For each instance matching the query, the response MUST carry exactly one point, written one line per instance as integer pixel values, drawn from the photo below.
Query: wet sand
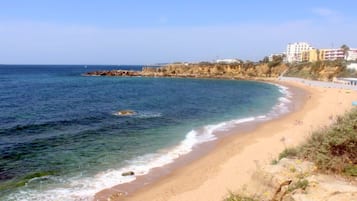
(227, 164)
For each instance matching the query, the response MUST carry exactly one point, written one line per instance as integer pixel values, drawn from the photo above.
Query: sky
(158, 31)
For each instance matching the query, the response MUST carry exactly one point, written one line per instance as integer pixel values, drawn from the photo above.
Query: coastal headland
(322, 70)
(234, 159)
(201, 70)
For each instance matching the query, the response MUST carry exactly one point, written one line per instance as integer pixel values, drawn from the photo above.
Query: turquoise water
(61, 140)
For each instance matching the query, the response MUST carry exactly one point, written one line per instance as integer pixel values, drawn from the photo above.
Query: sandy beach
(230, 164)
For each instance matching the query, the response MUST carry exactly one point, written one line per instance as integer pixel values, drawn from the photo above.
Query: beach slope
(232, 163)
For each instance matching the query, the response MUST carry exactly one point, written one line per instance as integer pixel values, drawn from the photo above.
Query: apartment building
(294, 51)
(310, 55)
(331, 54)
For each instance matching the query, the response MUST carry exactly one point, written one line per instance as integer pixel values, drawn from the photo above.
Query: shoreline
(158, 173)
(234, 158)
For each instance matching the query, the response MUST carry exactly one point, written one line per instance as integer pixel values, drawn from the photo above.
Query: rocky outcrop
(296, 180)
(125, 113)
(321, 70)
(202, 70)
(129, 173)
(114, 73)
(216, 70)
(326, 188)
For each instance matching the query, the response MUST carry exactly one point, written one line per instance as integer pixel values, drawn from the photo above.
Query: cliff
(202, 70)
(216, 70)
(320, 70)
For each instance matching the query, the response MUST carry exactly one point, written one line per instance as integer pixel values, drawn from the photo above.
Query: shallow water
(61, 140)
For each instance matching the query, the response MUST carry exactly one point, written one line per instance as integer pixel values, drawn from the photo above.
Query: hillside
(246, 70)
(217, 70)
(320, 70)
(324, 168)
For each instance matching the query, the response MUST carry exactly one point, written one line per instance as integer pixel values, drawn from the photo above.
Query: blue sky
(147, 32)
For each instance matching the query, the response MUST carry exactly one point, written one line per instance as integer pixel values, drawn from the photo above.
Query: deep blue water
(58, 131)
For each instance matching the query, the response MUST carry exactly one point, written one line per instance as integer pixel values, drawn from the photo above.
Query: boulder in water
(125, 113)
(129, 173)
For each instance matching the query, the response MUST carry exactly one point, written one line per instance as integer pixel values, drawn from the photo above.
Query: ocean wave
(282, 106)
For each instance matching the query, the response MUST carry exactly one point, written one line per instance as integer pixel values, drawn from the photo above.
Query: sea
(61, 137)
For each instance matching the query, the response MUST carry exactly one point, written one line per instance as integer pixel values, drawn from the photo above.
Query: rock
(122, 73)
(326, 188)
(125, 113)
(296, 180)
(129, 173)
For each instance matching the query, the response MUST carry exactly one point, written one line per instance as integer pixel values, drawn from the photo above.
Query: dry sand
(231, 163)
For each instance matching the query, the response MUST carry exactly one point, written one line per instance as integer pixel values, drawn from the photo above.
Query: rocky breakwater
(122, 73)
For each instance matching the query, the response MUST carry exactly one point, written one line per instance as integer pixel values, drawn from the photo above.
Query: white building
(352, 66)
(351, 55)
(294, 51)
(228, 61)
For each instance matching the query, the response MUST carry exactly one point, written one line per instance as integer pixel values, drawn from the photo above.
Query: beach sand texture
(231, 163)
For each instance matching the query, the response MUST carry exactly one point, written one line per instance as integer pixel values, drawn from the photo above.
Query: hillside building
(310, 55)
(352, 66)
(331, 54)
(294, 51)
(351, 55)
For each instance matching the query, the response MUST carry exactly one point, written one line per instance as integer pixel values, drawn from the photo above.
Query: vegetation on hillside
(237, 70)
(333, 149)
(235, 197)
(320, 70)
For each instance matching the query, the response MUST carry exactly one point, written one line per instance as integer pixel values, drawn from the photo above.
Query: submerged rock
(125, 113)
(129, 173)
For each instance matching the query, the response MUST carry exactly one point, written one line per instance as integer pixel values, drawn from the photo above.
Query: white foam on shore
(282, 107)
(75, 189)
(84, 188)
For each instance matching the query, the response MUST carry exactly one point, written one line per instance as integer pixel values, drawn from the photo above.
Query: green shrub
(315, 70)
(351, 170)
(288, 152)
(274, 162)
(301, 184)
(333, 149)
(236, 197)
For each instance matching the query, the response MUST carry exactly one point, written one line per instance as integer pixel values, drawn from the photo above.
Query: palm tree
(345, 48)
